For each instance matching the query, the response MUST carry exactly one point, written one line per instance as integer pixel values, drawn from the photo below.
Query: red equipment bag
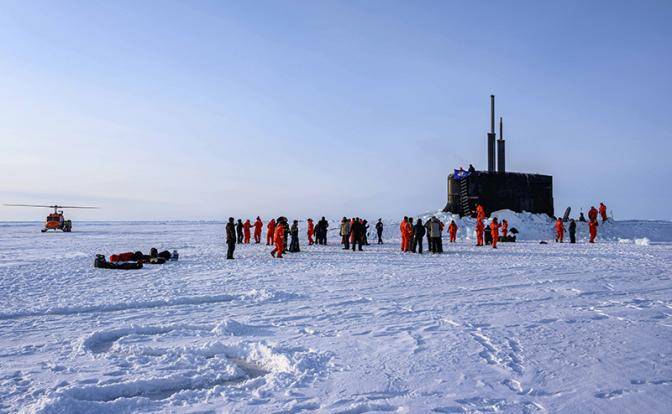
(122, 257)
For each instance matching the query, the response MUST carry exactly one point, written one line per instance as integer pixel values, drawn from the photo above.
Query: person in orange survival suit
(494, 232)
(402, 230)
(452, 231)
(311, 232)
(409, 235)
(603, 212)
(559, 230)
(246, 231)
(505, 228)
(592, 227)
(279, 239)
(270, 232)
(480, 212)
(258, 226)
(592, 214)
(480, 229)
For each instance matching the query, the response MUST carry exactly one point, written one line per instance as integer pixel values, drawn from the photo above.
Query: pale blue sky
(201, 110)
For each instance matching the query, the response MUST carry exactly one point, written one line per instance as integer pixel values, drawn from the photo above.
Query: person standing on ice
(279, 239)
(285, 223)
(592, 214)
(480, 229)
(603, 212)
(270, 232)
(572, 231)
(452, 231)
(365, 231)
(239, 231)
(318, 232)
(246, 231)
(505, 228)
(258, 227)
(310, 232)
(402, 231)
(356, 237)
(559, 230)
(409, 236)
(428, 234)
(379, 231)
(345, 233)
(494, 232)
(592, 228)
(435, 229)
(230, 238)
(582, 218)
(418, 234)
(480, 212)
(294, 233)
(323, 225)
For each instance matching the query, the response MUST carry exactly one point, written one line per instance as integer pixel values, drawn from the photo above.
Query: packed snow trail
(525, 328)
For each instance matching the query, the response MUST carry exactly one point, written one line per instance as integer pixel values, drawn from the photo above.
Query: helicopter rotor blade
(54, 206)
(76, 207)
(26, 205)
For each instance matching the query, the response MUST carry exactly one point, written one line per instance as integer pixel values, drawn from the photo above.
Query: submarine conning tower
(496, 189)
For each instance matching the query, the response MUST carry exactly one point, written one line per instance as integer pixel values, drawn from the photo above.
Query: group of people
(354, 232)
(278, 231)
(242, 232)
(412, 235)
(592, 225)
(319, 231)
(495, 227)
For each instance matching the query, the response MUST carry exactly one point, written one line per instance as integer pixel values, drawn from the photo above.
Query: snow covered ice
(522, 329)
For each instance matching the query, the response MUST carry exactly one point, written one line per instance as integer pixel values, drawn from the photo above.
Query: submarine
(496, 188)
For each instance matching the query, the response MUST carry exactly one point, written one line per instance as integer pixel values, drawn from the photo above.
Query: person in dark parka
(572, 231)
(379, 230)
(294, 233)
(230, 238)
(323, 225)
(356, 230)
(239, 231)
(418, 235)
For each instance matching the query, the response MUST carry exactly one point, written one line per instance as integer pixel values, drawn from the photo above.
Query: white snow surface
(525, 328)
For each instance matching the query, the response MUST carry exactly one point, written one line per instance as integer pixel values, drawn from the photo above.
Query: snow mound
(102, 340)
(230, 327)
(541, 227)
(151, 372)
(642, 242)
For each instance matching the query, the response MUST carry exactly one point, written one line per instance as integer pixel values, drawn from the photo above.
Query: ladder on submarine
(464, 196)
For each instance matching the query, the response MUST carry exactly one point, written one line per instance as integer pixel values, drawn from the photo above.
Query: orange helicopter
(55, 221)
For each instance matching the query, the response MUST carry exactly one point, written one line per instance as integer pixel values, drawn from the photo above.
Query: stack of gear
(510, 237)
(101, 263)
(130, 260)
